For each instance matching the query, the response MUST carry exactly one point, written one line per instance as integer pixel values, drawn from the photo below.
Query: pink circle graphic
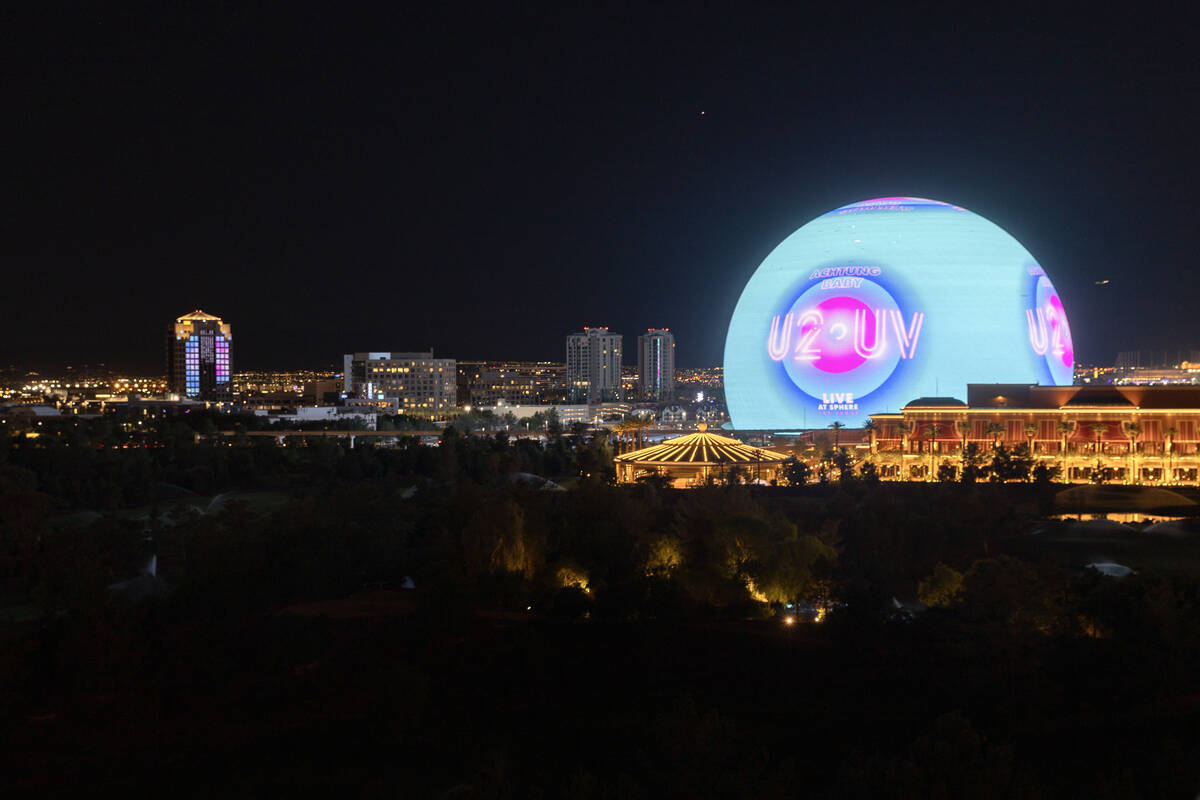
(836, 338)
(844, 340)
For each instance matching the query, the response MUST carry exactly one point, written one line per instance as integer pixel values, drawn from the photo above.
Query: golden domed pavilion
(690, 460)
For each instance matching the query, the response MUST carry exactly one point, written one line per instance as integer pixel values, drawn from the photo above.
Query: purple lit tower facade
(656, 364)
(200, 357)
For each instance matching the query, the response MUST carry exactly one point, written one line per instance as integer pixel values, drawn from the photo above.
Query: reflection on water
(1120, 516)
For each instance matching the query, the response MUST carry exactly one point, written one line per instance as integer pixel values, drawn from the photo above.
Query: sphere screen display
(877, 303)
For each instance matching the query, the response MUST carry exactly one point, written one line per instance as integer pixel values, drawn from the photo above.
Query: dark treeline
(605, 641)
(108, 464)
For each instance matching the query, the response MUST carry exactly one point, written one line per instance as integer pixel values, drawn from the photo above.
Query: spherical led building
(880, 302)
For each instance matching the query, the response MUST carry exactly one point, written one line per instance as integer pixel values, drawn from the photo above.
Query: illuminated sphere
(877, 303)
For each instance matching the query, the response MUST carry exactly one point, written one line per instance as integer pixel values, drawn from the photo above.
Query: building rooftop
(1098, 397)
(936, 402)
(701, 448)
(198, 316)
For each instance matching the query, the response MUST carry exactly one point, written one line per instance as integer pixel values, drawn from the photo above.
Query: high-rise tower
(594, 365)
(200, 357)
(656, 364)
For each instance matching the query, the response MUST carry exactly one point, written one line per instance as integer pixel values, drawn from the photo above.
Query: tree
(656, 479)
(972, 463)
(964, 430)
(795, 472)
(905, 428)
(1021, 462)
(998, 468)
(578, 432)
(1065, 429)
(995, 430)
(1006, 590)
(640, 425)
(869, 472)
(836, 427)
(622, 429)
(872, 429)
(930, 436)
(554, 427)
(942, 588)
(1169, 445)
(1133, 430)
(495, 540)
(735, 476)
(844, 464)
(1045, 473)
(1010, 465)
(1030, 432)
(785, 566)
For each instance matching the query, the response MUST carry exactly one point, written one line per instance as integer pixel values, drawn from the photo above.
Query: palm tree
(995, 430)
(1030, 432)
(872, 429)
(836, 426)
(1133, 430)
(930, 436)
(1170, 448)
(1065, 429)
(623, 428)
(1097, 429)
(905, 428)
(640, 424)
(964, 427)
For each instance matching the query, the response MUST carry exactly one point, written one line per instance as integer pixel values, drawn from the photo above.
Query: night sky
(484, 180)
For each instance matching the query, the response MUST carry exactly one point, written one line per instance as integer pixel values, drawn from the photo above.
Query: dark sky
(484, 180)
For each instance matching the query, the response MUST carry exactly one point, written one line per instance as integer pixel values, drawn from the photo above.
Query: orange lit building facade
(1137, 434)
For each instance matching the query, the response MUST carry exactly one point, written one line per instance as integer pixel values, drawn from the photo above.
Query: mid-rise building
(200, 357)
(422, 385)
(656, 364)
(594, 365)
(484, 383)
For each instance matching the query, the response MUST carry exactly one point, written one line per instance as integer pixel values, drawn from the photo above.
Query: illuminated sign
(877, 303)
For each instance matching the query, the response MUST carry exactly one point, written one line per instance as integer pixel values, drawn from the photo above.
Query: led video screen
(880, 302)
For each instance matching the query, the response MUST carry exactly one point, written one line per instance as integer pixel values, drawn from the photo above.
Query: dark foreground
(392, 703)
(602, 642)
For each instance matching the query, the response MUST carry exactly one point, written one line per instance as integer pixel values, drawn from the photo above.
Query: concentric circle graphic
(840, 340)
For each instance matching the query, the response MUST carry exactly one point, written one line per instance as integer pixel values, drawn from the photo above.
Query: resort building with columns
(1137, 434)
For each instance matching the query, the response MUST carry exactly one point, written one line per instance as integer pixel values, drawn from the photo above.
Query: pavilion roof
(701, 448)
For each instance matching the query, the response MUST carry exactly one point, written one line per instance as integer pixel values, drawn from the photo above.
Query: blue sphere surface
(877, 303)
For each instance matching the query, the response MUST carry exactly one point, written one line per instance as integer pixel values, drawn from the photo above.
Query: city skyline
(913, 511)
(220, 170)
